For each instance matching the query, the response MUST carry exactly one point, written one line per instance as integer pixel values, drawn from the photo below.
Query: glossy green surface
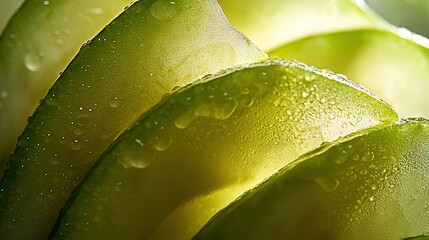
(412, 14)
(394, 67)
(151, 48)
(272, 23)
(205, 145)
(38, 43)
(373, 186)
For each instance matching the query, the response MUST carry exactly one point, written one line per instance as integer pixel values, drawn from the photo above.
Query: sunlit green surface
(412, 14)
(205, 145)
(151, 48)
(370, 187)
(393, 67)
(37, 44)
(7, 9)
(272, 23)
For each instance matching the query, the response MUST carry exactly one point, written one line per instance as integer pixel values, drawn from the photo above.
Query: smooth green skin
(272, 23)
(373, 186)
(7, 9)
(38, 43)
(412, 14)
(151, 48)
(393, 67)
(205, 145)
(421, 237)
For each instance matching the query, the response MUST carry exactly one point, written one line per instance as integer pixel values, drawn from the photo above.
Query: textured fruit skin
(38, 43)
(126, 69)
(370, 186)
(206, 144)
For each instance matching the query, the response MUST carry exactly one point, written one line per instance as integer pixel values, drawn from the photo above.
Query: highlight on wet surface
(206, 144)
(371, 185)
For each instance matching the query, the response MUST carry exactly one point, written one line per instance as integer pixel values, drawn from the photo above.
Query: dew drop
(105, 134)
(327, 184)
(162, 143)
(138, 155)
(115, 102)
(305, 94)
(59, 41)
(118, 187)
(3, 94)
(164, 9)
(246, 101)
(32, 62)
(95, 11)
(46, 3)
(369, 156)
(75, 145)
(342, 158)
(184, 121)
(78, 131)
(308, 76)
(225, 110)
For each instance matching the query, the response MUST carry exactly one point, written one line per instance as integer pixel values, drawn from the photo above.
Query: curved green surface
(373, 186)
(38, 43)
(272, 23)
(393, 67)
(203, 146)
(151, 48)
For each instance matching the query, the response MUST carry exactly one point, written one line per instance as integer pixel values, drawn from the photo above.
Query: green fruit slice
(373, 186)
(39, 41)
(205, 145)
(412, 14)
(272, 23)
(420, 237)
(7, 9)
(151, 48)
(395, 76)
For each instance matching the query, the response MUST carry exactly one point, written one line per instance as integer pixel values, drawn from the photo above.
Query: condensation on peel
(164, 10)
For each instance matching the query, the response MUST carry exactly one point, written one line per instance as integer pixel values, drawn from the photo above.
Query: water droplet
(305, 94)
(59, 41)
(46, 3)
(369, 156)
(78, 131)
(327, 184)
(75, 145)
(372, 198)
(184, 121)
(246, 101)
(118, 187)
(3, 94)
(342, 158)
(308, 76)
(95, 11)
(164, 9)
(225, 110)
(163, 142)
(105, 134)
(115, 102)
(136, 155)
(32, 62)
